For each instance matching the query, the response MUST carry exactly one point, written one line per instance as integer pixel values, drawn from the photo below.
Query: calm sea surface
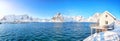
(67, 31)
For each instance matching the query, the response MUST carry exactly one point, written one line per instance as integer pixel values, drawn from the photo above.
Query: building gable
(106, 18)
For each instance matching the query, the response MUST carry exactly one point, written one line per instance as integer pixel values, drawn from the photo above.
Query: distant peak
(58, 13)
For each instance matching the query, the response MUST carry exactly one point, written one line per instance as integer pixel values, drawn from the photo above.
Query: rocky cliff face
(58, 18)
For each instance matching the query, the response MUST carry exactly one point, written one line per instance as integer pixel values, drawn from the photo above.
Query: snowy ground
(116, 30)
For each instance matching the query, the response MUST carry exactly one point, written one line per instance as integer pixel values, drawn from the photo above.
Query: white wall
(103, 18)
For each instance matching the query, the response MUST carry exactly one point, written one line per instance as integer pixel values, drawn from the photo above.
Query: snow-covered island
(26, 18)
(56, 18)
(20, 19)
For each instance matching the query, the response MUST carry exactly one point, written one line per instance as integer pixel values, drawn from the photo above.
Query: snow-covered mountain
(57, 18)
(94, 18)
(60, 18)
(18, 18)
(74, 18)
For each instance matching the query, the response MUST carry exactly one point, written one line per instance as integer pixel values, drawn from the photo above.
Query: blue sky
(48, 8)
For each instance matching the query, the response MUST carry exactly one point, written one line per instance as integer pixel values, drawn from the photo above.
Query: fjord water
(45, 31)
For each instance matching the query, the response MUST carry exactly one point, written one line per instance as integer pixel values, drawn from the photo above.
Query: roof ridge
(106, 12)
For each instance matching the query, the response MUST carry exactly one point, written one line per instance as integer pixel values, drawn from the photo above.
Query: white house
(106, 18)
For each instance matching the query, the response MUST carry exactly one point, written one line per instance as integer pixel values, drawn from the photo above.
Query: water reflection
(68, 31)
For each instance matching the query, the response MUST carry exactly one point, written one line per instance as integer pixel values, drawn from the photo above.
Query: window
(106, 16)
(106, 22)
